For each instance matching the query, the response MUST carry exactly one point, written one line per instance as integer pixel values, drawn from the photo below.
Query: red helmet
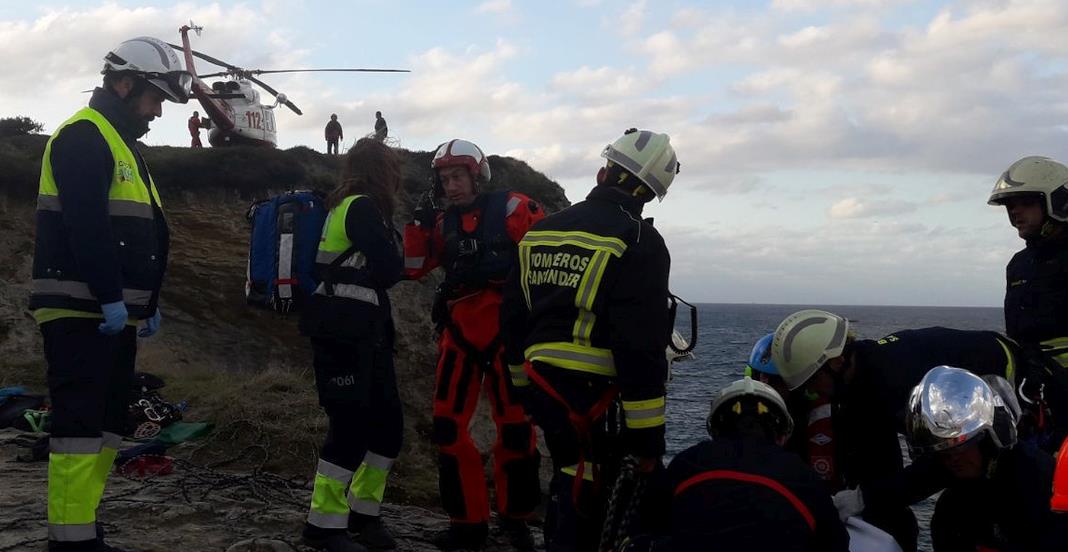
(462, 153)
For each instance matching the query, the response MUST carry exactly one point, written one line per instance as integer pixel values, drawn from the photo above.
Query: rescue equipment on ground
(148, 412)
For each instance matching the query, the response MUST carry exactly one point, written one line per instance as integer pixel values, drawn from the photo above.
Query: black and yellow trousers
(89, 381)
(357, 388)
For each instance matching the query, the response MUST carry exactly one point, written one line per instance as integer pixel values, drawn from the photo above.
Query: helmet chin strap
(1050, 227)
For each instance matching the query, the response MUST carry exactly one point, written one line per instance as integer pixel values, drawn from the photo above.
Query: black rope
(623, 504)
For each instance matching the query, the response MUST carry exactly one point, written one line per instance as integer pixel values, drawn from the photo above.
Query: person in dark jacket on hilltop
(1034, 192)
(381, 128)
(586, 324)
(997, 489)
(99, 259)
(741, 490)
(333, 134)
(864, 385)
(350, 323)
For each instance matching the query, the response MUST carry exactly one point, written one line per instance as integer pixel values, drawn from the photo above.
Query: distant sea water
(727, 332)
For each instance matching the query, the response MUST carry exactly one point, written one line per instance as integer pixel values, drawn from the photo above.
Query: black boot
(371, 532)
(462, 536)
(330, 540)
(518, 533)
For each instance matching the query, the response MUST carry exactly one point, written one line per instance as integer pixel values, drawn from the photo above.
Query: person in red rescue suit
(474, 240)
(586, 323)
(194, 130)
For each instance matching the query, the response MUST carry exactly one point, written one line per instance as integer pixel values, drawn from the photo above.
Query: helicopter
(233, 107)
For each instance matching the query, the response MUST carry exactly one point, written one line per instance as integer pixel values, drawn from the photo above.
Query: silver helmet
(951, 407)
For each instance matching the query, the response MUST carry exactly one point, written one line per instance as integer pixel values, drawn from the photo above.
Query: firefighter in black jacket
(997, 489)
(741, 490)
(866, 384)
(350, 324)
(586, 323)
(1034, 191)
(101, 251)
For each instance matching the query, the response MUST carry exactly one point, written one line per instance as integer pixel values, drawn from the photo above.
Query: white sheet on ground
(865, 537)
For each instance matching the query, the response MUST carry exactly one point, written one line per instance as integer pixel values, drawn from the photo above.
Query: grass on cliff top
(269, 421)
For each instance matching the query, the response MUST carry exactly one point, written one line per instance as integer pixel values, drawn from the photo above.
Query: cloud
(596, 83)
(851, 208)
(499, 7)
(630, 21)
(838, 262)
(812, 5)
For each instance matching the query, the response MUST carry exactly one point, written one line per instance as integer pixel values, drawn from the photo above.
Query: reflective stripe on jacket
(134, 213)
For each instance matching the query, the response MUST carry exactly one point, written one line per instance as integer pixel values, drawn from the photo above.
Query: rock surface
(194, 508)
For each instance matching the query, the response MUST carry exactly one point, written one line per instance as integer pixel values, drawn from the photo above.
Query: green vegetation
(19, 126)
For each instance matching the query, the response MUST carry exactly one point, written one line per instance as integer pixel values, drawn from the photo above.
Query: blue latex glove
(151, 325)
(115, 316)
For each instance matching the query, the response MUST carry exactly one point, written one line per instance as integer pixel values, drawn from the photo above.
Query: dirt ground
(195, 508)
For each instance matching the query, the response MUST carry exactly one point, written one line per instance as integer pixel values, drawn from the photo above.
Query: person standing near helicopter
(381, 128)
(333, 134)
(194, 130)
(99, 258)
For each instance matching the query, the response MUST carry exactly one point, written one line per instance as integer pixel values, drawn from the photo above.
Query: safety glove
(426, 211)
(849, 502)
(114, 318)
(151, 325)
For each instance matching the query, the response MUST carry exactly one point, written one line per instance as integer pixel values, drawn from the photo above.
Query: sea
(726, 334)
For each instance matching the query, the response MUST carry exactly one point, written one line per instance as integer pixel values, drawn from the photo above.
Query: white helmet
(462, 153)
(648, 156)
(1035, 175)
(678, 343)
(156, 62)
(951, 407)
(804, 341)
(747, 396)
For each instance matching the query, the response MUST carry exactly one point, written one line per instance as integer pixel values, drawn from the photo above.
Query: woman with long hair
(350, 325)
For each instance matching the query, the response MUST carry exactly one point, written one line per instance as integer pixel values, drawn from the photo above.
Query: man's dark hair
(617, 176)
(749, 425)
(112, 78)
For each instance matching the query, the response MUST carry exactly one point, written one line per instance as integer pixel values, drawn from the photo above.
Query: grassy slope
(243, 369)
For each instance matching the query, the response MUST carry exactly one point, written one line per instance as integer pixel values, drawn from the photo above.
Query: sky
(832, 151)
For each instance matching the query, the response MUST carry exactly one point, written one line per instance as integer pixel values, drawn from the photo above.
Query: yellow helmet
(1038, 176)
(647, 155)
(804, 341)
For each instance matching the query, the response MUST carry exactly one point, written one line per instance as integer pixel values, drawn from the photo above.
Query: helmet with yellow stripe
(749, 398)
(647, 155)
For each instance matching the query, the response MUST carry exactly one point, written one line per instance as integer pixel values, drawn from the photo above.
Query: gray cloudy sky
(833, 151)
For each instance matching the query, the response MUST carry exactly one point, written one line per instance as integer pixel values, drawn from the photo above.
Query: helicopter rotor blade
(208, 58)
(266, 71)
(218, 74)
(266, 87)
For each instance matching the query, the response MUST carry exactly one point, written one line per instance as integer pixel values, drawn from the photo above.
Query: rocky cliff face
(245, 369)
